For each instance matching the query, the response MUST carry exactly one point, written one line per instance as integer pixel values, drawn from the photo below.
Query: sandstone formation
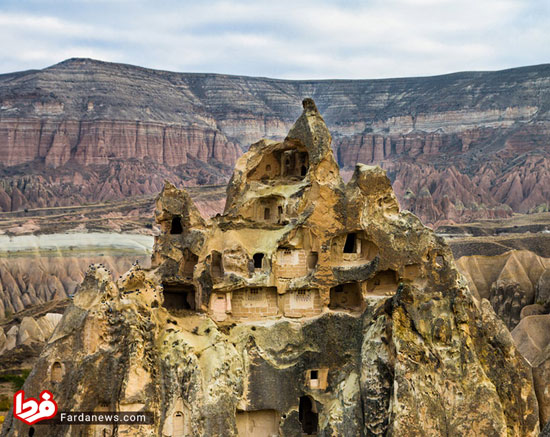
(309, 307)
(513, 282)
(457, 147)
(29, 331)
(532, 335)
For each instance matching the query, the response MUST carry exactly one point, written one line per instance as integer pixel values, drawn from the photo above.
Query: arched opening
(303, 170)
(31, 431)
(258, 260)
(308, 416)
(56, 372)
(267, 213)
(176, 227)
(178, 424)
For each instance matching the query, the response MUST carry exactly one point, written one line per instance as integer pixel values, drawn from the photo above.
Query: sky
(318, 39)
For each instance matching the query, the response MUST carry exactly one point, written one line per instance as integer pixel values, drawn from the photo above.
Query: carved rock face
(309, 307)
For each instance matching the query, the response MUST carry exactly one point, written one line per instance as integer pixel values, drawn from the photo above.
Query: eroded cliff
(309, 307)
(458, 147)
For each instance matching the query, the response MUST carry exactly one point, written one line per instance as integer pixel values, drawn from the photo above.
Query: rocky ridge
(246, 324)
(457, 147)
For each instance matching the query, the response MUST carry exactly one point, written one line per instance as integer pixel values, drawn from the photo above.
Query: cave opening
(350, 245)
(216, 268)
(258, 260)
(308, 416)
(346, 296)
(312, 260)
(179, 297)
(176, 227)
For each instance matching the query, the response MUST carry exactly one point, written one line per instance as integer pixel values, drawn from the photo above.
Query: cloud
(287, 39)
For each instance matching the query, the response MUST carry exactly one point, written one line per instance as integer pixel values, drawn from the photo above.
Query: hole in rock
(216, 268)
(350, 244)
(258, 259)
(384, 282)
(179, 297)
(345, 296)
(312, 259)
(190, 261)
(308, 416)
(176, 227)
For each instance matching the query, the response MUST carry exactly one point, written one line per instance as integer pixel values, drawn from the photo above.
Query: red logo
(30, 410)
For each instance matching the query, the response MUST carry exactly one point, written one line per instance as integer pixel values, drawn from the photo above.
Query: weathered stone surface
(384, 337)
(543, 290)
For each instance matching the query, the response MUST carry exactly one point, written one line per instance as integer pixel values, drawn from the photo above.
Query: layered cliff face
(458, 147)
(309, 307)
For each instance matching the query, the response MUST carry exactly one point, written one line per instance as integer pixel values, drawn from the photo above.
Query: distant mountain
(457, 147)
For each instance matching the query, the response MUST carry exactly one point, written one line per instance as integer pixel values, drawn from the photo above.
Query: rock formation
(309, 307)
(457, 147)
(27, 281)
(515, 283)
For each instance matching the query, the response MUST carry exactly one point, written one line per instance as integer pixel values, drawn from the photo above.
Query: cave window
(258, 258)
(267, 213)
(56, 372)
(179, 297)
(31, 431)
(189, 264)
(351, 243)
(312, 260)
(176, 227)
(308, 417)
(303, 171)
(217, 267)
(345, 296)
(314, 374)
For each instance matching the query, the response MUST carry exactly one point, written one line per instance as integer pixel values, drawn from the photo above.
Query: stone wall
(301, 303)
(254, 302)
(291, 263)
